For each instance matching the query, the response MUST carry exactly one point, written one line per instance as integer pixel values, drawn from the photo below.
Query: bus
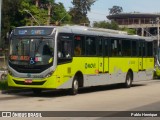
(157, 63)
(72, 57)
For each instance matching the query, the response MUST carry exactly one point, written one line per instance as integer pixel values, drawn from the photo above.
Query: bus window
(64, 46)
(134, 48)
(126, 47)
(64, 49)
(90, 46)
(106, 47)
(140, 48)
(116, 47)
(149, 49)
(47, 50)
(100, 47)
(144, 48)
(79, 45)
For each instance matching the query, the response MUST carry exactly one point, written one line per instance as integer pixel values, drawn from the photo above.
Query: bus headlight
(49, 74)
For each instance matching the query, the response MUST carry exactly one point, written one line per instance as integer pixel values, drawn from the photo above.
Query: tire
(75, 86)
(3, 76)
(128, 82)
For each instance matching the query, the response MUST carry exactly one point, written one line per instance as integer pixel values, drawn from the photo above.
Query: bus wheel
(128, 82)
(37, 91)
(75, 86)
(3, 76)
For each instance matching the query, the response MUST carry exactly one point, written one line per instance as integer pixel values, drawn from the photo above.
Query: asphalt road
(143, 96)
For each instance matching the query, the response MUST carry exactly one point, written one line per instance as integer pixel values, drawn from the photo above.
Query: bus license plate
(28, 81)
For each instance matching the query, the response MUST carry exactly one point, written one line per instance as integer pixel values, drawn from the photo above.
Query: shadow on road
(60, 93)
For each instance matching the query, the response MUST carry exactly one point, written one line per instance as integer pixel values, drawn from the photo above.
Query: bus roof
(39, 30)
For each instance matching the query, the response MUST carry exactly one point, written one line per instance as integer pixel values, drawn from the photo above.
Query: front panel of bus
(31, 61)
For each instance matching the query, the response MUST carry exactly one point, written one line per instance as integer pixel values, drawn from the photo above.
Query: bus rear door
(103, 55)
(140, 58)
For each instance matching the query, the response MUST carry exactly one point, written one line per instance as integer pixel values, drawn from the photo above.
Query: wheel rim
(75, 85)
(128, 81)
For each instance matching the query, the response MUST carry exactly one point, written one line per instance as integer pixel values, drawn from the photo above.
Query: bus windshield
(28, 51)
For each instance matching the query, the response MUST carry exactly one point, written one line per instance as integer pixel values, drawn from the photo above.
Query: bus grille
(33, 83)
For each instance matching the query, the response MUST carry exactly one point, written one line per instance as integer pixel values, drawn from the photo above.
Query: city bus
(72, 57)
(157, 63)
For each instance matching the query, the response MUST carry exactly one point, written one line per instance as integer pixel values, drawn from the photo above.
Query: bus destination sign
(33, 31)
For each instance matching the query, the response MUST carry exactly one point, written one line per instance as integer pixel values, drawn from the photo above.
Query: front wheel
(75, 86)
(128, 82)
(3, 76)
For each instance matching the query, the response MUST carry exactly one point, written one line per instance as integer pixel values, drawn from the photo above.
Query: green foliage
(18, 13)
(108, 25)
(3, 85)
(59, 14)
(115, 10)
(113, 25)
(129, 31)
(79, 11)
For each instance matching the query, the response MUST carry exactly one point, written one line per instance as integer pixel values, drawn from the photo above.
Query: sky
(99, 10)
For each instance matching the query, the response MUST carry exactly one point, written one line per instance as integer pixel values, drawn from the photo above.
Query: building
(146, 24)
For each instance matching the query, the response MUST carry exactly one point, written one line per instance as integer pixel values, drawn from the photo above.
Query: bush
(3, 85)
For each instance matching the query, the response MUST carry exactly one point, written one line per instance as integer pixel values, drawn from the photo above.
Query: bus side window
(140, 48)
(149, 49)
(65, 51)
(126, 47)
(91, 45)
(64, 46)
(100, 47)
(106, 46)
(79, 45)
(144, 49)
(116, 49)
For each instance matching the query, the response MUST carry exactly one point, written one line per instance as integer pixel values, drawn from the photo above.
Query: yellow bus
(43, 57)
(157, 63)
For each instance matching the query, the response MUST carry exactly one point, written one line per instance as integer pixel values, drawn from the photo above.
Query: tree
(10, 18)
(129, 31)
(59, 14)
(108, 25)
(80, 9)
(39, 14)
(14, 14)
(115, 10)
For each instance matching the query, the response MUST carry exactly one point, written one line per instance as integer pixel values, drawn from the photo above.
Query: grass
(3, 85)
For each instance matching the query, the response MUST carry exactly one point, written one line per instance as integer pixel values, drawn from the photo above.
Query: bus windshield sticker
(32, 61)
(38, 59)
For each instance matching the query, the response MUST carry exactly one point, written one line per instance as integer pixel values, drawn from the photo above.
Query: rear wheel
(75, 86)
(128, 82)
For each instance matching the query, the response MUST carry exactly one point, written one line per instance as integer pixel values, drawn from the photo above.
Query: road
(143, 96)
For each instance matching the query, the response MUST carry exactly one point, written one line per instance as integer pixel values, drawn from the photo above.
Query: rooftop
(133, 15)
